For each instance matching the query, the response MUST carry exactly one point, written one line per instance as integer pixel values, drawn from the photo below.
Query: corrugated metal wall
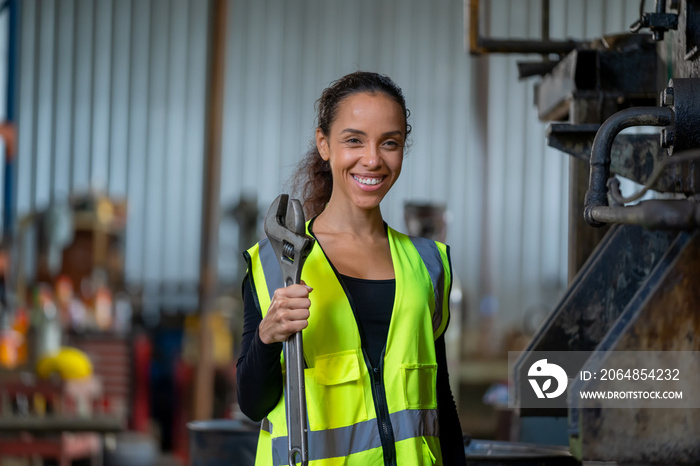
(112, 97)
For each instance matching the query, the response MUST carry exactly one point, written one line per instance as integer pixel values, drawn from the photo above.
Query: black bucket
(223, 442)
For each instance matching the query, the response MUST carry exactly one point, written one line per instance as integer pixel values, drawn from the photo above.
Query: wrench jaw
(294, 220)
(291, 256)
(286, 229)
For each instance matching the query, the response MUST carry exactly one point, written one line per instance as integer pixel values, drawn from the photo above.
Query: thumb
(307, 286)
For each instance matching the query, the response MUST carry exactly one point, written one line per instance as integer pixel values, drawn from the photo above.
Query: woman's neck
(355, 241)
(360, 222)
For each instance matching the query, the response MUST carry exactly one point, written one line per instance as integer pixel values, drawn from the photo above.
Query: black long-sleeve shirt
(259, 371)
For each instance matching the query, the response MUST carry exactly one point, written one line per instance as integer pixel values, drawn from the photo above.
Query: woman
(373, 305)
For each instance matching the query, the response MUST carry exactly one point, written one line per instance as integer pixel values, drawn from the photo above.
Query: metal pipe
(654, 214)
(545, 20)
(525, 46)
(473, 22)
(658, 35)
(211, 190)
(661, 6)
(597, 194)
(479, 45)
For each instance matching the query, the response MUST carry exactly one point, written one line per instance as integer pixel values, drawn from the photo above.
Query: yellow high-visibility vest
(359, 415)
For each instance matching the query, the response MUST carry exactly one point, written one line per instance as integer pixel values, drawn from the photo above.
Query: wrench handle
(297, 440)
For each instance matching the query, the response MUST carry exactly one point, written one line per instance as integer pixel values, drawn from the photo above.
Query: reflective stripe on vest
(345, 441)
(433, 262)
(271, 267)
(427, 249)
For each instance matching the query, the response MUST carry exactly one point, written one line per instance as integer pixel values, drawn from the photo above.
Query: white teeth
(368, 181)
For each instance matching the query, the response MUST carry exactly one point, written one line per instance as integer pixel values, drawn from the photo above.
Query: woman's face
(364, 147)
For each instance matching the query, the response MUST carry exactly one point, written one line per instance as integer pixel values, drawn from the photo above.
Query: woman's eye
(392, 144)
(353, 141)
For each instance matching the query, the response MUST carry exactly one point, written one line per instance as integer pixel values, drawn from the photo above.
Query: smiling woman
(377, 386)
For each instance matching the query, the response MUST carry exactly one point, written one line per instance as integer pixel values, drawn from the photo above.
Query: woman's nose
(371, 158)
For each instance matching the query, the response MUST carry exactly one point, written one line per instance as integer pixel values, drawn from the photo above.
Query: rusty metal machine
(635, 284)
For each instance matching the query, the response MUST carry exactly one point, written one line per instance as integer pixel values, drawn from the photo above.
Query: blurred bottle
(21, 326)
(103, 308)
(87, 299)
(64, 297)
(10, 341)
(47, 323)
(122, 313)
(78, 315)
(98, 298)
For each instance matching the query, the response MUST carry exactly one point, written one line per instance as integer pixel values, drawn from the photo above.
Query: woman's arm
(451, 440)
(258, 370)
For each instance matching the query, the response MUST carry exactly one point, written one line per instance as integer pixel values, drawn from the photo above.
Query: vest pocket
(334, 391)
(419, 385)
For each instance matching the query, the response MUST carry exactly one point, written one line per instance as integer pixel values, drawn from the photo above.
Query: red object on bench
(20, 397)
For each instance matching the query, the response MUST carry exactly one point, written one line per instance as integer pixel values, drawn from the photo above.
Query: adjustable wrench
(286, 230)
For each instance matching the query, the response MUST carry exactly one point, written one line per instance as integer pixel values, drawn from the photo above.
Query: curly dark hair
(312, 179)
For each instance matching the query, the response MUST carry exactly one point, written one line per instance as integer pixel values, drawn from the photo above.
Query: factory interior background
(150, 137)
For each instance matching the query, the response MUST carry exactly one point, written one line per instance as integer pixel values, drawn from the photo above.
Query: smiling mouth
(368, 181)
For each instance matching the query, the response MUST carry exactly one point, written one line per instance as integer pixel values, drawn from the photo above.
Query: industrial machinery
(636, 286)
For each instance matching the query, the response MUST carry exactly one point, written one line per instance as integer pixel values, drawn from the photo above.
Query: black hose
(655, 214)
(597, 194)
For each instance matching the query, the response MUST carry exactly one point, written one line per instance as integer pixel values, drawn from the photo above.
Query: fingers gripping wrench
(286, 230)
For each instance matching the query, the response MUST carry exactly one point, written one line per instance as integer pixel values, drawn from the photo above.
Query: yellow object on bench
(68, 363)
